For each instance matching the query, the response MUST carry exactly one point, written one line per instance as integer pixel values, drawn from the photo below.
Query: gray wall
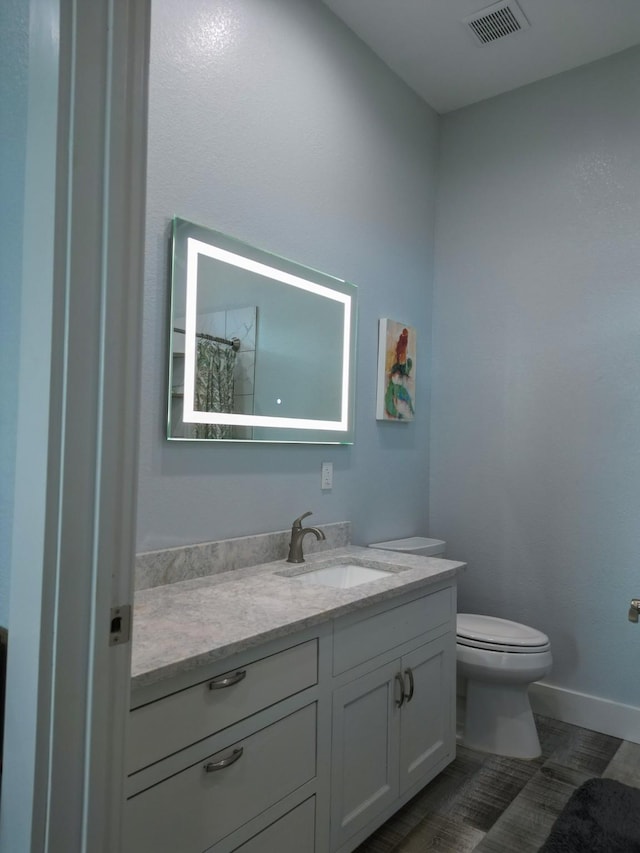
(13, 130)
(536, 388)
(271, 122)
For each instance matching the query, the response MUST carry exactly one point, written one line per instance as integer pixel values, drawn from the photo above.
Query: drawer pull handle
(409, 673)
(224, 762)
(399, 680)
(227, 680)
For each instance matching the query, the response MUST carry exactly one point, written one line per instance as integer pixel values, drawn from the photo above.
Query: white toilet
(497, 660)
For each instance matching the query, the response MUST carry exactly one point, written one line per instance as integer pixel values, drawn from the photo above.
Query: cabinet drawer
(293, 833)
(196, 808)
(176, 721)
(357, 642)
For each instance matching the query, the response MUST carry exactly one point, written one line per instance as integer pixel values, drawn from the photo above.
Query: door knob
(634, 610)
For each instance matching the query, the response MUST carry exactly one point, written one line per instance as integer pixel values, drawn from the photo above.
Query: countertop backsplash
(156, 568)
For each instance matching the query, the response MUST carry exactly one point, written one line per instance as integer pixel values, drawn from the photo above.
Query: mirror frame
(189, 243)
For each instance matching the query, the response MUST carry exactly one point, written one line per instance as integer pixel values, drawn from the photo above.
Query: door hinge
(120, 625)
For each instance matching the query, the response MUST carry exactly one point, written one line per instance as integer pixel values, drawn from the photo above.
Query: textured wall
(13, 129)
(271, 122)
(536, 387)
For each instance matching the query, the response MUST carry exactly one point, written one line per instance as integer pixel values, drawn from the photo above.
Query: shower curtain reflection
(214, 386)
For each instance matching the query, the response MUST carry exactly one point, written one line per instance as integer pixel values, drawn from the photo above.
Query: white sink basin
(342, 576)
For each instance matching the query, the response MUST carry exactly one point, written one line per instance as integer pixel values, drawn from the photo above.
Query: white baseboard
(589, 712)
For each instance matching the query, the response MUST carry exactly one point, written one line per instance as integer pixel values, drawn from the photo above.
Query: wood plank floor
(489, 804)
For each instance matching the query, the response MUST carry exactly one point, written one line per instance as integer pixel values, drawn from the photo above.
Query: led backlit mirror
(262, 348)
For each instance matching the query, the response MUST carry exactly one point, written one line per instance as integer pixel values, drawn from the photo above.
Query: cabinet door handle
(409, 674)
(400, 680)
(224, 762)
(227, 680)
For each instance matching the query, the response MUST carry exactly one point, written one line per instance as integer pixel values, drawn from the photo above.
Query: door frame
(73, 538)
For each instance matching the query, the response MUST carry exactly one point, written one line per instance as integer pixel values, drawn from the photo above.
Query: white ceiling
(428, 46)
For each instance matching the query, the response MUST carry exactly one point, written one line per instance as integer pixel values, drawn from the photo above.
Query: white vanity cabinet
(294, 831)
(214, 762)
(304, 745)
(160, 728)
(394, 723)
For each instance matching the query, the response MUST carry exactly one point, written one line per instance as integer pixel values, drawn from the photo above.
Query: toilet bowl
(499, 659)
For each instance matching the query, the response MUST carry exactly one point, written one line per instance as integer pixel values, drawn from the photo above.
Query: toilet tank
(419, 545)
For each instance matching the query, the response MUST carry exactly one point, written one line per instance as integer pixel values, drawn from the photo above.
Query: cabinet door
(293, 833)
(366, 728)
(168, 725)
(427, 732)
(197, 807)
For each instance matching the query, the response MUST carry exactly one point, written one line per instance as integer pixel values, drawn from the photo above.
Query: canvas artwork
(396, 372)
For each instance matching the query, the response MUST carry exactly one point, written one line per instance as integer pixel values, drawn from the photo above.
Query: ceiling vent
(496, 22)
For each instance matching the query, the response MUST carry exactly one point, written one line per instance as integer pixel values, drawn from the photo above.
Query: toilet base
(499, 719)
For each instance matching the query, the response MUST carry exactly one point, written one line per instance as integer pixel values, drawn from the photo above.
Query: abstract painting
(396, 372)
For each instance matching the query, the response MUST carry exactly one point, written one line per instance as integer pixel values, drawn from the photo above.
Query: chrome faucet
(298, 532)
(634, 610)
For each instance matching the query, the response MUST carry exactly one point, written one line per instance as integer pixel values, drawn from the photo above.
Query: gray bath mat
(602, 816)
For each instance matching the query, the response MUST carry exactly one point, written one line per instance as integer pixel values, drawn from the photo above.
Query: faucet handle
(634, 610)
(298, 521)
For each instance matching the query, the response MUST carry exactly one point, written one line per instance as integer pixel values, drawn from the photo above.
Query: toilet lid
(489, 632)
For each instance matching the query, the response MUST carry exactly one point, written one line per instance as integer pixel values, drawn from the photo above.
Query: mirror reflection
(262, 348)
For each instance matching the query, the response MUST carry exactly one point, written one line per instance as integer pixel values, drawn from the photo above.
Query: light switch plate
(326, 478)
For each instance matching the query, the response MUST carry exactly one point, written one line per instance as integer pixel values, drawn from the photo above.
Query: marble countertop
(181, 626)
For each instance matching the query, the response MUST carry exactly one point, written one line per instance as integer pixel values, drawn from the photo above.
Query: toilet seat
(500, 635)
